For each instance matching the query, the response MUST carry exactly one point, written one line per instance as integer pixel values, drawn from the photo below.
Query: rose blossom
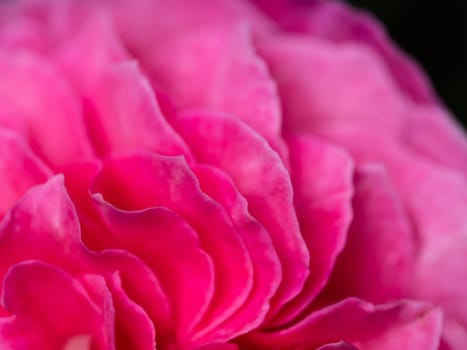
(224, 174)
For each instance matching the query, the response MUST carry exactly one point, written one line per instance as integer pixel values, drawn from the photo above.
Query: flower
(224, 174)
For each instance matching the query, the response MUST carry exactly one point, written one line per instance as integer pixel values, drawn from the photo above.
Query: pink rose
(224, 174)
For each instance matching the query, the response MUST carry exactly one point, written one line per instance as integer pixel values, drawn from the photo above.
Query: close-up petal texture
(224, 174)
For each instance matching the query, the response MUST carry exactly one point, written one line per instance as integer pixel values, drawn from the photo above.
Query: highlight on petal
(322, 179)
(262, 179)
(56, 106)
(37, 294)
(20, 169)
(406, 324)
(381, 245)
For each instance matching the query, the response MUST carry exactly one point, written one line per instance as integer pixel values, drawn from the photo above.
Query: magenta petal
(168, 182)
(381, 244)
(227, 76)
(266, 266)
(123, 101)
(56, 106)
(133, 328)
(38, 293)
(260, 176)
(20, 169)
(43, 225)
(322, 180)
(404, 325)
(171, 249)
(338, 346)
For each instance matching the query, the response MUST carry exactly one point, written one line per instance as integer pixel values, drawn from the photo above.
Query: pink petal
(266, 266)
(322, 179)
(436, 200)
(125, 115)
(171, 249)
(435, 134)
(312, 75)
(20, 169)
(133, 328)
(405, 325)
(260, 176)
(203, 58)
(338, 22)
(38, 293)
(45, 100)
(381, 244)
(43, 225)
(338, 346)
(168, 182)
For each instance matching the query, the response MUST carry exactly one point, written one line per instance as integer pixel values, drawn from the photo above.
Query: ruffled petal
(381, 245)
(20, 169)
(322, 180)
(260, 176)
(404, 325)
(336, 21)
(171, 249)
(266, 266)
(168, 182)
(312, 75)
(56, 106)
(43, 225)
(37, 293)
(338, 346)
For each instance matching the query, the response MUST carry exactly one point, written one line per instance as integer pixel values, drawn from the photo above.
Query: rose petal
(405, 325)
(381, 244)
(426, 188)
(126, 116)
(43, 225)
(434, 134)
(312, 75)
(20, 169)
(171, 249)
(338, 346)
(266, 266)
(336, 21)
(168, 182)
(322, 180)
(260, 176)
(65, 137)
(37, 293)
(133, 328)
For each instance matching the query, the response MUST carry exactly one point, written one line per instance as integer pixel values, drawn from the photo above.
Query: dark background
(434, 32)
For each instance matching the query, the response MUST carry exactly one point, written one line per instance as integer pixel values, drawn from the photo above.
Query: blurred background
(435, 33)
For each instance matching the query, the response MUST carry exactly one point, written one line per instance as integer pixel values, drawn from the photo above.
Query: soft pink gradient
(224, 174)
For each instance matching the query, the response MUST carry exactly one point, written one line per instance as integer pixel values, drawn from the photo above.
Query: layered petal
(168, 182)
(322, 179)
(36, 294)
(392, 326)
(381, 245)
(65, 136)
(260, 176)
(43, 225)
(20, 169)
